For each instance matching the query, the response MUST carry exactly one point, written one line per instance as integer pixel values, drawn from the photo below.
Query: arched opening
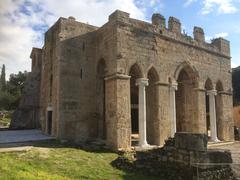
(135, 73)
(219, 110)
(208, 86)
(186, 101)
(100, 98)
(152, 106)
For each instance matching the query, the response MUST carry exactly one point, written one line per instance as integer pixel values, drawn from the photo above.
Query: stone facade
(236, 116)
(105, 82)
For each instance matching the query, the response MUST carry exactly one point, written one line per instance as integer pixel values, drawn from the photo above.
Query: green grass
(53, 161)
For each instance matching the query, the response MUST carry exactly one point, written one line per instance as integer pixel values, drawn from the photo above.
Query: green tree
(10, 97)
(16, 83)
(6, 101)
(3, 79)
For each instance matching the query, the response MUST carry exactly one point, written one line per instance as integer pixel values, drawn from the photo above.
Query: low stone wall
(184, 157)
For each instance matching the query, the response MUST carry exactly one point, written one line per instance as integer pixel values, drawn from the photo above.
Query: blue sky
(23, 22)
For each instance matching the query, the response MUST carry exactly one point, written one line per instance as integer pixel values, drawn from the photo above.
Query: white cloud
(24, 22)
(222, 35)
(221, 6)
(188, 2)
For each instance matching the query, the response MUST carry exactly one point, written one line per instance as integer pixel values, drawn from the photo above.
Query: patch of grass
(53, 161)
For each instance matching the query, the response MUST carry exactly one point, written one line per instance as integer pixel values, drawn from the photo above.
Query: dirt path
(15, 136)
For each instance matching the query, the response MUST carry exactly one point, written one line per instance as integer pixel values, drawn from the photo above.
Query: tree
(7, 101)
(11, 93)
(16, 83)
(3, 79)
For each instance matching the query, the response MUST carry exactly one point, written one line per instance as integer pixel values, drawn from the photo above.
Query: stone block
(191, 141)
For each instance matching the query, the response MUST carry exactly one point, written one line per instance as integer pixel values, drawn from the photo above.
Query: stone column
(141, 83)
(212, 112)
(118, 111)
(173, 88)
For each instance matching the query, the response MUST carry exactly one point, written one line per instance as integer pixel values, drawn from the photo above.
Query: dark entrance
(49, 122)
(135, 73)
(134, 113)
(208, 86)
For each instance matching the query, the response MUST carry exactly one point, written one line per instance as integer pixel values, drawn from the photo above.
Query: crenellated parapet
(174, 32)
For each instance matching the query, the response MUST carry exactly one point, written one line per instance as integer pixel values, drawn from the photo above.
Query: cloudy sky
(23, 22)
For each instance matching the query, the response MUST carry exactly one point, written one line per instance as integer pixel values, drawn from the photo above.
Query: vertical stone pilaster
(172, 89)
(118, 122)
(164, 113)
(141, 83)
(201, 121)
(227, 124)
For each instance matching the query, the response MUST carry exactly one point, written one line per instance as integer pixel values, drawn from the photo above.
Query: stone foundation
(184, 157)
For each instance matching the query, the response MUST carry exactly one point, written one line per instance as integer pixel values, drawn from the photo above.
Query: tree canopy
(3, 79)
(11, 90)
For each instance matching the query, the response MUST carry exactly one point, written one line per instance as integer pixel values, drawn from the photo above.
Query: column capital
(211, 92)
(173, 86)
(142, 82)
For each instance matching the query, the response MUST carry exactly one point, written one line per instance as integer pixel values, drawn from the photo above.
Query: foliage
(7, 101)
(3, 79)
(51, 160)
(236, 85)
(16, 82)
(11, 91)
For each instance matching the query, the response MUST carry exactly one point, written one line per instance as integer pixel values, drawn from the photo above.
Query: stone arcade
(132, 77)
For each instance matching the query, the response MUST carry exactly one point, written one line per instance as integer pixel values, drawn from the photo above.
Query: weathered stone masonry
(133, 77)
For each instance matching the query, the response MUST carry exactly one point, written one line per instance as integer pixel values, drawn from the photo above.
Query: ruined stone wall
(82, 101)
(27, 113)
(168, 51)
(82, 48)
(49, 94)
(184, 157)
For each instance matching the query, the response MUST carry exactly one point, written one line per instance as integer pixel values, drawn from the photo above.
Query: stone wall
(27, 115)
(184, 157)
(168, 52)
(77, 57)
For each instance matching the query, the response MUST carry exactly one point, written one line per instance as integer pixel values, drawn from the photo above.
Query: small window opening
(81, 73)
(83, 46)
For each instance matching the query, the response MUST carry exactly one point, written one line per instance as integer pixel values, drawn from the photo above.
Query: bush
(6, 101)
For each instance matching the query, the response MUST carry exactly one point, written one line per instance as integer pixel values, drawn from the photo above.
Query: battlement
(173, 31)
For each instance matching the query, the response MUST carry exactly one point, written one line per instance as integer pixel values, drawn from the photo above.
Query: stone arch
(100, 98)
(186, 99)
(219, 86)
(135, 72)
(190, 70)
(152, 72)
(208, 86)
(152, 99)
(219, 110)
(136, 69)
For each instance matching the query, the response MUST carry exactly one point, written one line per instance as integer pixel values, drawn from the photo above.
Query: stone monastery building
(131, 78)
